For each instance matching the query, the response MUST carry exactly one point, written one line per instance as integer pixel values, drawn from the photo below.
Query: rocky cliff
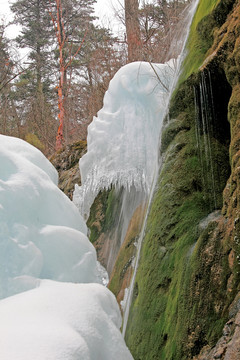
(186, 297)
(66, 161)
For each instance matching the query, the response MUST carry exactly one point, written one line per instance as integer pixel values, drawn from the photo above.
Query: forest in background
(70, 61)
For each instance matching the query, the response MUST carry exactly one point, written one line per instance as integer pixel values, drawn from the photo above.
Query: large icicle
(123, 138)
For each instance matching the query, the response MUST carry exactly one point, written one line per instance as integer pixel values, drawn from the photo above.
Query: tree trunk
(61, 42)
(133, 30)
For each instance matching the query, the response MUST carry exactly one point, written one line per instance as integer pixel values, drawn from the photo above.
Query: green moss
(170, 317)
(97, 217)
(172, 301)
(200, 37)
(170, 131)
(122, 271)
(182, 290)
(234, 111)
(183, 287)
(104, 212)
(209, 16)
(35, 141)
(113, 209)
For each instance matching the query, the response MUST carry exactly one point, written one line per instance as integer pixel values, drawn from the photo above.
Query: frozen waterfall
(123, 138)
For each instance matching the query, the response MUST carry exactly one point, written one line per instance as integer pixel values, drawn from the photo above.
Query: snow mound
(43, 236)
(62, 321)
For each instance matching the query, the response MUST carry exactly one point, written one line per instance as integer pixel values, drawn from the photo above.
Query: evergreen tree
(36, 35)
(89, 58)
(5, 68)
(7, 123)
(32, 93)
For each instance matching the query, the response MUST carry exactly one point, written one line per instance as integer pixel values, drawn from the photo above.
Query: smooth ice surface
(62, 321)
(123, 138)
(43, 236)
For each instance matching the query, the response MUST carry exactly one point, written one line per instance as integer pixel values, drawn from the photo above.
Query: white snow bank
(61, 321)
(28, 152)
(123, 138)
(42, 235)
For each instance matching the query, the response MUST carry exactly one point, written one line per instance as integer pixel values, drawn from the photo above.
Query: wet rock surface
(228, 346)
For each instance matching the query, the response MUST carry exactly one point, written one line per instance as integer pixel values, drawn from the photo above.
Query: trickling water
(205, 120)
(198, 136)
(208, 120)
(129, 200)
(135, 266)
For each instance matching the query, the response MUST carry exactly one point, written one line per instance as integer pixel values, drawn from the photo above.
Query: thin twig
(165, 87)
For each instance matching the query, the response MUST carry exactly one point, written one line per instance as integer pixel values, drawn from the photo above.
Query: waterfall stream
(204, 125)
(187, 23)
(123, 141)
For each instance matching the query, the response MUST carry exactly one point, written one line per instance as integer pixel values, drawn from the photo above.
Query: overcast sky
(104, 10)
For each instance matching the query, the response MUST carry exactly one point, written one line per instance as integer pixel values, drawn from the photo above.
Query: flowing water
(123, 142)
(204, 125)
(186, 25)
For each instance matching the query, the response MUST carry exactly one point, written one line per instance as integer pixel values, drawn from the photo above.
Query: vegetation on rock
(187, 286)
(122, 271)
(189, 272)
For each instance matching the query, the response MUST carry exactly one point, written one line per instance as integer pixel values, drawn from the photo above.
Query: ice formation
(123, 138)
(42, 236)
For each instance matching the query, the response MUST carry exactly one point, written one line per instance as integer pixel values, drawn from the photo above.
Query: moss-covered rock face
(103, 224)
(114, 217)
(170, 317)
(122, 271)
(209, 17)
(189, 270)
